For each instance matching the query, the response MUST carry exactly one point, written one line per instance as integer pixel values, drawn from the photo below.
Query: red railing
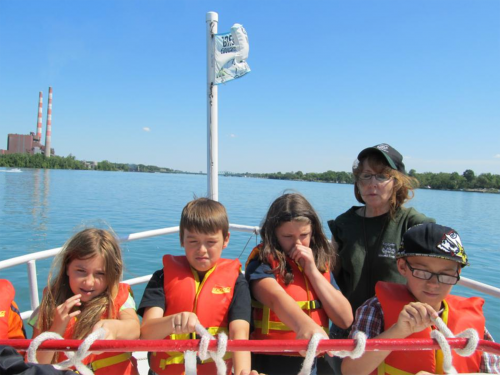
(272, 346)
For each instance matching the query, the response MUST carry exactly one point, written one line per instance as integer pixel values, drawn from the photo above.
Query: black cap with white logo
(433, 240)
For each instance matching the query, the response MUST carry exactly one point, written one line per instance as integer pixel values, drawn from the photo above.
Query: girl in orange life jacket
(84, 295)
(290, 275)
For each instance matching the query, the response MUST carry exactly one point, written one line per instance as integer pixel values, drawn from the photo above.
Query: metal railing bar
(480, 287)
(131, 237)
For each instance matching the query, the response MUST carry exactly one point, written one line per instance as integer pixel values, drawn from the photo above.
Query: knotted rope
(357, 352)
(440, 335)
(204, 353)
(74, 359)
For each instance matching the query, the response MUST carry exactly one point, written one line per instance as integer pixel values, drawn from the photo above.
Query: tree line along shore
(467, 181)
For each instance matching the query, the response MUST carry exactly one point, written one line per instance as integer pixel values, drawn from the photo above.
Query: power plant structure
(32, 143)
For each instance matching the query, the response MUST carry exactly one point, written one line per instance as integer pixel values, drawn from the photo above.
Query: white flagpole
(212, 111)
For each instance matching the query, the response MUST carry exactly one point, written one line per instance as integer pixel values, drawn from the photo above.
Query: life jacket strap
(110, 361)
(385, 369)
(276, 326)
(265, 324)
(177, 358)
(304, 305)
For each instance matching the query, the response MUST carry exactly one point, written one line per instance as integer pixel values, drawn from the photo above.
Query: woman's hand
(63, 314)
(184, 322)
(415, 317)
(304, 257)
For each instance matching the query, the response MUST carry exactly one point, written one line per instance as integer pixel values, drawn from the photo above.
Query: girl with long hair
(291, 279)
(84, 294)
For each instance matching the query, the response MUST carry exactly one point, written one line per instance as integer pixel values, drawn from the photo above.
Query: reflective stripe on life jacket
(267, 324)
(209, 299)
(459, 314)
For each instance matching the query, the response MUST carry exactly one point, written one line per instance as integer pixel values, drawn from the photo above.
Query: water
(41, 209)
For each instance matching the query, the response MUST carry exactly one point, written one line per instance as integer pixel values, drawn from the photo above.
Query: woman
(366, 238)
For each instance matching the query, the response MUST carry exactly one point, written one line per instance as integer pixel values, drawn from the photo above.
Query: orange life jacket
(7, 294)
(267, 324)
(209, 299)
(459, 314)
(110, 362)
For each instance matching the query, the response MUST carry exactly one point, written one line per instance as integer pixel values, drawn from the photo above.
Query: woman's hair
(84, 245)
(403, 184)
(293, 207)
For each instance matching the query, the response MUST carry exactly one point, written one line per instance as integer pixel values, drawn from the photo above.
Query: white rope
(311, 354)
(204, 353)
(440, 336)
(35, 343)
(219, 355)
(358, 350)
(74, 359)
(205, 338)
(312, 347)
(190, 362)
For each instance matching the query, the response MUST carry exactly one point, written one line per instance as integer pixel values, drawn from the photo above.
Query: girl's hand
(63, 314)
(304, 257)
(107, 325)
(415, 317)
(184, 322)
(307, 331)
(109, 328)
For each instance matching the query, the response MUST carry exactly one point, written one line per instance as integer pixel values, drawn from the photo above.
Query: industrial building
(32, 143)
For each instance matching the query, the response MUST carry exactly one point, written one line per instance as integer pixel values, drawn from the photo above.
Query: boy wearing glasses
(430, 258)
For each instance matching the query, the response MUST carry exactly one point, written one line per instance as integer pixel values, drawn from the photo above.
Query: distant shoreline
(467, 181)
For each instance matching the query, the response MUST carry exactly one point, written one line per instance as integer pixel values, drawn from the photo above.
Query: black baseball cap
(433, 240)
(393, 157)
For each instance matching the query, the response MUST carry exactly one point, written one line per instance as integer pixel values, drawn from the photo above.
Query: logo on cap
(383, 147)
(452, 244)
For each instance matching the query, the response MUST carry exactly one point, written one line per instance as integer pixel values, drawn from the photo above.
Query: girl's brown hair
(84, 245)
(293, 207)
(404, 185)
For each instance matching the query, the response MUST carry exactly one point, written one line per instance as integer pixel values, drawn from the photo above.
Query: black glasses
(380, 177)
(427, 275)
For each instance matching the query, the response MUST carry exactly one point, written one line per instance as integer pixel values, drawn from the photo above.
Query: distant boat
(11, 170)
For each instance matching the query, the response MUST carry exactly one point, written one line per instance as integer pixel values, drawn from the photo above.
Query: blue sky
(328, 79)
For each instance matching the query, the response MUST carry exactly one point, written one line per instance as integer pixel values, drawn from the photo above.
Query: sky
(329, 78)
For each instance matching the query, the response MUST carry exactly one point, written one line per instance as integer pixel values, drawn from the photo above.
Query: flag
(231, 52)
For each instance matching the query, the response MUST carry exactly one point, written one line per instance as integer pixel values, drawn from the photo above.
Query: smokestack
(39, 121)
(48, 133)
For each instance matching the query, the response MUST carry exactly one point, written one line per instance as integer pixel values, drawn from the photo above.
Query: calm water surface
(41, 209)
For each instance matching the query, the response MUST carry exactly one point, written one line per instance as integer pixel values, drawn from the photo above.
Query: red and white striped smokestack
(39, 120)
(48, 131)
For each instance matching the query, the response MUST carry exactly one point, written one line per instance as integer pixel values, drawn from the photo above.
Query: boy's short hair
(433, 240)
(204, 215)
